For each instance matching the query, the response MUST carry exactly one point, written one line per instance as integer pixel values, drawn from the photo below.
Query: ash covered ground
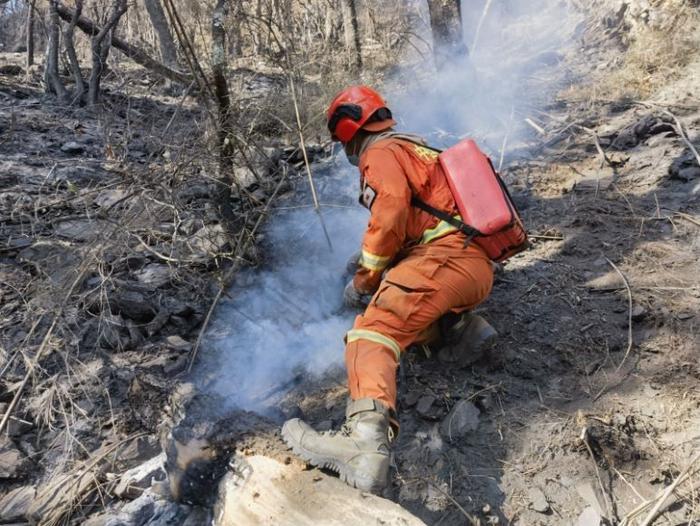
(586, 408)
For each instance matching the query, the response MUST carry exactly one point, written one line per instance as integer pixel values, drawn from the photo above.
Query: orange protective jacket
(393, 170)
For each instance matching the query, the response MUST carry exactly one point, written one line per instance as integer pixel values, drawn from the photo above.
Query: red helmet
(354, 108)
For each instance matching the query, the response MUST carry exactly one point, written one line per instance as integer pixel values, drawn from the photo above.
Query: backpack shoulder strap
(467, 230)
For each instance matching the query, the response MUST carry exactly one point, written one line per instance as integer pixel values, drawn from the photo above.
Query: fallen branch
(134, 53)
(679, 127)
(663, 496)
(629, 313)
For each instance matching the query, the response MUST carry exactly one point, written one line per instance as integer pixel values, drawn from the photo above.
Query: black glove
(354, 299)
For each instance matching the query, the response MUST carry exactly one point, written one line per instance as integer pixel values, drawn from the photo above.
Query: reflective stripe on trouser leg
(371, 370)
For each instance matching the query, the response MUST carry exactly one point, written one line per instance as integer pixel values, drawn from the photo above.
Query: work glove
(354, 299)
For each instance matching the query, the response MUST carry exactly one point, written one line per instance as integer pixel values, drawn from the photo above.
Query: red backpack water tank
(483, 200)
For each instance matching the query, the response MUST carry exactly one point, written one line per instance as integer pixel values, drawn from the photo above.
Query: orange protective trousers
(432, 280)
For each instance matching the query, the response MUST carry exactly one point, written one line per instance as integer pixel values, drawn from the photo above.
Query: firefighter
(417, 271)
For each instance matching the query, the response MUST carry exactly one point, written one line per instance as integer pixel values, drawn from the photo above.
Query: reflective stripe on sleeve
(441, 229)
(373, 262)
(372, 336)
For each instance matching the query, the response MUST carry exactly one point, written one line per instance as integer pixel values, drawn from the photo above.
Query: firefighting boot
(358, 452)
(467, 339)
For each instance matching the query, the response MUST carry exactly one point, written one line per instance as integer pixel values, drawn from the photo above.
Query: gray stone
(462, 419)
(154, 275)
(538, 500)
(107, 198)
(638, 313)
(15, 505)
(589, 517)
(133, 304)
(260, 490)
(178, 343)
(11, 460)
(424, 405)
(72, 148)
(208, 241)
(80, 229)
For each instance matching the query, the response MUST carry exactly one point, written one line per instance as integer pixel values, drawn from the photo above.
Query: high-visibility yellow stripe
(442, 229)
(372, 336)
(373, 262)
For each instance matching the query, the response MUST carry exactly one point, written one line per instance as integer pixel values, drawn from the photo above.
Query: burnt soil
(586, 401)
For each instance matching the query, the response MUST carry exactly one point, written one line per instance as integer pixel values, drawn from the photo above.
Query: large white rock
(263, 491)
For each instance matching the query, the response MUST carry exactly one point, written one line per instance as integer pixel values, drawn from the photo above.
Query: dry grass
(658, 45)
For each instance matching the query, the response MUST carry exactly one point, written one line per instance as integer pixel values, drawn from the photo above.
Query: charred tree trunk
(68, 34)
(168, 51)
(30, 33)
(225, 116)
(52, 80)
(352, 34)
(99, 47)
(136, 54)
(446, 26)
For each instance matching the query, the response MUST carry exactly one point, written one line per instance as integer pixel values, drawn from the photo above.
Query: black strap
(467, 230)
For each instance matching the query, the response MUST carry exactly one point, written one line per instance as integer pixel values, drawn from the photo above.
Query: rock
(260, 490)
(684, 167)
(134, 481)
(411, 399)
(462, 419)
(638, 313)
(424, 406)
(178, 343)
(589, 517)
(132, 304)
(72, 148)
(81, 229)
(11, 70)
(12, 462)
(154, 275)
(107, 198)
(52, 258)
(208, 241)
(538, 500)
(593, 497)
(15, 505)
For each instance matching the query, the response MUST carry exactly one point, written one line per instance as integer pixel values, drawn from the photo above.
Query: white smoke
(287, 316)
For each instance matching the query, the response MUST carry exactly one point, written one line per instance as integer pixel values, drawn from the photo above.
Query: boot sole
(342, 469)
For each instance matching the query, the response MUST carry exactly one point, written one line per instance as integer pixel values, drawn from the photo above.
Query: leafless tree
(69, 46)
(168, 51)
(52, 80)
(100, 45)
(136, 54)
(446, 26)
(219, 65)
(30, 32)
(352, 34)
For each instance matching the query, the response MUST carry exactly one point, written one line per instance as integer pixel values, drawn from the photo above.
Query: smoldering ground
(286, 318)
